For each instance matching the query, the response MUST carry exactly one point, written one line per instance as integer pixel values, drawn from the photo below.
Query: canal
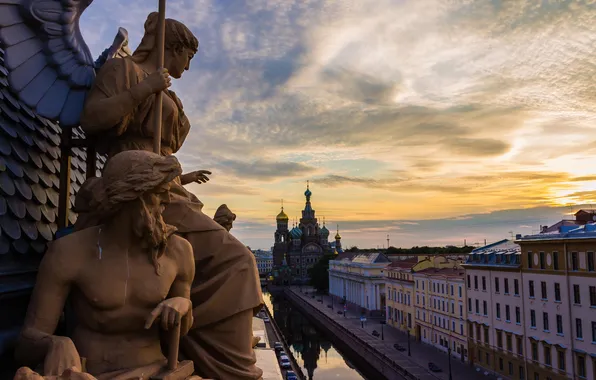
(313, 351)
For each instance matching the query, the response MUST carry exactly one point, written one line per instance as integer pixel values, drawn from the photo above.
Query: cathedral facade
(295, 251)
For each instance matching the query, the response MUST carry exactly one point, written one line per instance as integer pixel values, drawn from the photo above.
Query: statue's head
(224, 217)
(135, 186)
(180, 45)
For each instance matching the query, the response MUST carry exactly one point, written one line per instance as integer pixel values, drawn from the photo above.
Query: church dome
(296, 233)
(337, 236)
(324, 231)
(282, 217)
(307, 193)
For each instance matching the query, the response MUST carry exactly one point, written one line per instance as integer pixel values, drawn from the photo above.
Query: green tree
(319, 274)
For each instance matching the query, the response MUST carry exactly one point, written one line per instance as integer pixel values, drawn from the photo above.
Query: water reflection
(313, 351)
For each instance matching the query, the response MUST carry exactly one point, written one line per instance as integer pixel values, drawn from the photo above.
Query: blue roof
(502, 253)
(586, 231)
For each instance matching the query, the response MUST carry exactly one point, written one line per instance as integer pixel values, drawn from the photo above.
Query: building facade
(360, 280)
(264, 262)
(495, 310)
(559, 287)
(440, 311)
(399, 285)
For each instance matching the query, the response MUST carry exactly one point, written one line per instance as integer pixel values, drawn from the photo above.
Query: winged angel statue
(52, 71)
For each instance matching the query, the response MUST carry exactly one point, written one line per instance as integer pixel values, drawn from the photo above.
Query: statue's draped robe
(226, 292)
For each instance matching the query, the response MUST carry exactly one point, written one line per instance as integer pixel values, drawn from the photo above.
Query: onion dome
(337, 235)
(324, 231)
(282, 217)
(296, 233)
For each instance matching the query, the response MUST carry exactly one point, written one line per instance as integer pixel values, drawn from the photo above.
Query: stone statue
(224, 217)
(226, 293)
(51, 70)
(126, 278)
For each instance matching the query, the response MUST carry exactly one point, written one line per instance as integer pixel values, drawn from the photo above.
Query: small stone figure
(224, 217)
(126, 278)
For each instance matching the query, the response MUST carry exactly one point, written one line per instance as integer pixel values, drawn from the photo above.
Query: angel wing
(50, 65)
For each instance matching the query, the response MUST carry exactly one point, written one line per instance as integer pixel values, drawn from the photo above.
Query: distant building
(264, 262)
(495, 307)
(440, 309)
(359, 280)
(302, 246)
(399, 285)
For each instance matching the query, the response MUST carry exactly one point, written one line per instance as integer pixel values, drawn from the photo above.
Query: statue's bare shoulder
(66, 256)
(180, 250)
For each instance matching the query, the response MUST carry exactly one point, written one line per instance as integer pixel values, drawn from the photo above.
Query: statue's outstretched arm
(37, 343)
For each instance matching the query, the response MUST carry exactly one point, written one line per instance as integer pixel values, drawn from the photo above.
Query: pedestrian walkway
(421, 353)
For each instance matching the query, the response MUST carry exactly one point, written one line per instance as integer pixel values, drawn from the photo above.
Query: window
(461, 310)
(477, 307)
(531, 286)
(486, 335)
(543, 290)
(469, 282)
(506, 285)
(460, 291)
(510, 369)
(498, 311)
(542, 263)
(576, 295)
(451, 289)
(593, 332)
(499, 339)
(470, 305)
(500, 364)
(507, 313)
(559, 324)
(516, 287)
(545, 321)
(556, 260)
(517, 315)
(581, 366)
(590, 256)
(521, 373)
(574, 261)
(532, 318)
(547, 356)
(485, 307)
(534, 351)
(520, 345)
(509, 343)
(483, 283)
(529, 260)
(578, 329)
(476, 282)
(557, 292)
(561, 360)
(471, 331)
(496, 284)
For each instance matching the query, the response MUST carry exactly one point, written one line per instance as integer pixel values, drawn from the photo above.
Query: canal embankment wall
(374, 364)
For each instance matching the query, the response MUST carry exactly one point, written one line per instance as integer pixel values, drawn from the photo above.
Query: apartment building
(440, 310)
(399, 285)
(559, 291)
(495, 309)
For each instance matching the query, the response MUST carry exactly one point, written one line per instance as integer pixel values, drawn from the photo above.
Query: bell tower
(280, 247)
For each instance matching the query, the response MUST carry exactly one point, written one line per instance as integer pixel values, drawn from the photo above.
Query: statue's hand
(199, 176)
(158, 81)
(62, 355)
(170, 312)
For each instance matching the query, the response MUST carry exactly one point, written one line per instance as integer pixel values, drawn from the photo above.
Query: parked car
(433, 367)
(278, 346)
(282, 353)
(266, 319)
(291, 375)
(398, 347)
(375, 333)
(285, 362)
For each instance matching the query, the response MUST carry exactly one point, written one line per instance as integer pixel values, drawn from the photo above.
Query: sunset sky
(432, 121)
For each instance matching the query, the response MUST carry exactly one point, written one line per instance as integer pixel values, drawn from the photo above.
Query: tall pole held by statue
(157, 109)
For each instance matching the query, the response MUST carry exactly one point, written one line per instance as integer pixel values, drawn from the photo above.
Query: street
(421, 353)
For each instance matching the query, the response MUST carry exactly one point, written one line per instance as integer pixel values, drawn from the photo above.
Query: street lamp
(409, 353)
(449, 358)
(382, 334)
(332, 302)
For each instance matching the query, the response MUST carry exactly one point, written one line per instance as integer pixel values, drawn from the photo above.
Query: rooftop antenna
(388, 241)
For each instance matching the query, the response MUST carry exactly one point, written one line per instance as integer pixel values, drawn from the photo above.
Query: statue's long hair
(177, 35)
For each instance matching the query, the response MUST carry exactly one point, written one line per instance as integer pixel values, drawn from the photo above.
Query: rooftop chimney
(518, 236)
